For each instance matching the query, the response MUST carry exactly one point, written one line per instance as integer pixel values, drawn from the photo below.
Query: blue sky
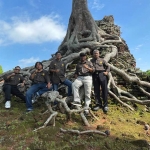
(32, 30)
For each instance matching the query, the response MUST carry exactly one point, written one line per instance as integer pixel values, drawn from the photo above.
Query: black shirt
(57, 77)
(13, 80)
(82, 71)
(40, 77)
(100, 65)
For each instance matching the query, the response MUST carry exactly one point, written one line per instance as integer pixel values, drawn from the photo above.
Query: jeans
(40, 88)
(12, 89)
(67, 83)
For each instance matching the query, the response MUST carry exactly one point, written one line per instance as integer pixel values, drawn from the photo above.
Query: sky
(32, 30)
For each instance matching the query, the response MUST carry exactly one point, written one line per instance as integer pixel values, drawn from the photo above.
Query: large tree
(82, 30)
(84, 35)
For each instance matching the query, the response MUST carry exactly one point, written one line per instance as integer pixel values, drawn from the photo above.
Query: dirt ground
(126, 127)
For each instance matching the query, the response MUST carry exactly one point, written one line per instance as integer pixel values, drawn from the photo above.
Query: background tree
(148, 72)
(1, 69)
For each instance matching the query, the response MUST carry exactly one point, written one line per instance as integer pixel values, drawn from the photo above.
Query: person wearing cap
(83, 75)
(57, 70)
(40, 84)
(11, 81)
(100, 80)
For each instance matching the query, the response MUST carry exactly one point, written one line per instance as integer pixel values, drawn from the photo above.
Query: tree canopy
(1, 69)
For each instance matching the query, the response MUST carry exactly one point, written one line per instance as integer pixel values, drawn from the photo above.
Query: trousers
(100, 80)
(32, 90)
(12, 89)
(67, 83)
(86, 81)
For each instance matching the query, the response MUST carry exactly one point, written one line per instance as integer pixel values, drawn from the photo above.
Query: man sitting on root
(83, 75)
(41, 84)
(57, 70)
(10, 86)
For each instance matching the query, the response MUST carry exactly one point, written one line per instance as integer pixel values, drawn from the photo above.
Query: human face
(96, 54)
(38, 66)
(58, 56)
(83, 58)
(17, 70)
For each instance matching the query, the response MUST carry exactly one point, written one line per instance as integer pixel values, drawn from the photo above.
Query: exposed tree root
(83, 132)
(55, 97)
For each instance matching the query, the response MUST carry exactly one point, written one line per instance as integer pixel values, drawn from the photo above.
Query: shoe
(34, 101)
(76, 103)
(86, 112)
(105, 109)
(35, 97)
(97, 107)
(8, 104)
(28, 111)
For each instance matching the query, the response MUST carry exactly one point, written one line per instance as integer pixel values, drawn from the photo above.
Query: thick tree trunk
(81, 28)
(84, 35)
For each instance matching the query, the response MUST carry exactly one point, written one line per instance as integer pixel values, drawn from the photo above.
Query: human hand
(48, 85)
(12, 74)
(36, 71)
(22, 84)
(57, 70)
(85, 66)
(105, 73)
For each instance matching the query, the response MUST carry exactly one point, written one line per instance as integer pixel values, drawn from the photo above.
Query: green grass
(16, 129)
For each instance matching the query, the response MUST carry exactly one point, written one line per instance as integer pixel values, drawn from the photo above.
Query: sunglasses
(17, 69)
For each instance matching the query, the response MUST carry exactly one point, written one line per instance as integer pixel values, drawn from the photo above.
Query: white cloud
(97, 5)
(138, 47)
(44, 29)
(139, 59)
(27, 62)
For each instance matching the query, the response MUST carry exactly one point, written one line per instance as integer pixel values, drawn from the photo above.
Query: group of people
(87, 73)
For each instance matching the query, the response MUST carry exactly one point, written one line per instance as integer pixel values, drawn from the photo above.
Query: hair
(17, 67)
(82, 54)
(57, 53)
(96, 50)
(38, 63)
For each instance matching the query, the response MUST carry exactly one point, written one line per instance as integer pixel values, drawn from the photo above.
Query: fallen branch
(83, 132)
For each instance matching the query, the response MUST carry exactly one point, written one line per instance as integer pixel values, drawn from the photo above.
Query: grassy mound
(127, 129)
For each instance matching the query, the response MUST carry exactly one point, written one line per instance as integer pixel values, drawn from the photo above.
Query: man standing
(100, 80)
(83, 75)
(57, 70)
(10, 86)
(41, 82)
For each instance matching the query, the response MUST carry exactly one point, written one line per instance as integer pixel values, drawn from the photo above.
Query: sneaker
(97, 107)
(76, 103)
(86, 112)
(105, 109)
(35, 97)
(8, 104)
(34, 101)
